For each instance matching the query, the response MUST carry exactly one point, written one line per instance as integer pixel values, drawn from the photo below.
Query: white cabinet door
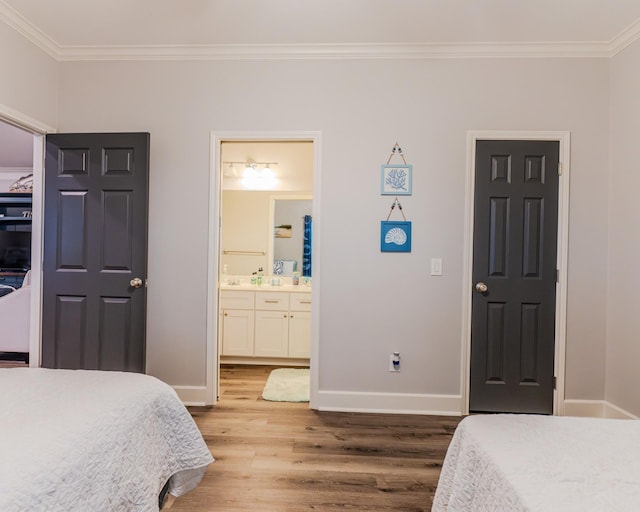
(237, 332)
(299, 334)
(271, 333)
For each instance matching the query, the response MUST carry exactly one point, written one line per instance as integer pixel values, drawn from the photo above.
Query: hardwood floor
(281, 457)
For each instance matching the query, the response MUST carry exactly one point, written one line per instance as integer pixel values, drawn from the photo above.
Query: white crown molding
(334, 51)
(21, 120)
(604, 49)
(625, 38)
(28, 30)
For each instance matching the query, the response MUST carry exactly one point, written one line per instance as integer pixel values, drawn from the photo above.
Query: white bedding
(75, 440)
(540, 463)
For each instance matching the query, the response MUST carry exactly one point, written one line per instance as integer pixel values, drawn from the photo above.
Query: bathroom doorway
(263, 288)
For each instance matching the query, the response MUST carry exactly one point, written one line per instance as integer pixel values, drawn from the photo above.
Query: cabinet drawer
(272, 300)
(300, 302)
(237, 300)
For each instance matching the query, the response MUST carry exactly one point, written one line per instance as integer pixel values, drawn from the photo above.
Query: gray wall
(623, 320)
(29, 81)
(372, 303)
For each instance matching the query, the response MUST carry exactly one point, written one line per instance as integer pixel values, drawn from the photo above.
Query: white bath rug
(287, 385)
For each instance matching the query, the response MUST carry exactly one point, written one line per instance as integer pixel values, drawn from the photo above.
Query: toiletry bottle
(296, 278)
(259, 278)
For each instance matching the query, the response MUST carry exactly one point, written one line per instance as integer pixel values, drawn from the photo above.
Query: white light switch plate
(436, 266)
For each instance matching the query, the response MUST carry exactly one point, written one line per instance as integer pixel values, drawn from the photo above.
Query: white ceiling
(78, 28)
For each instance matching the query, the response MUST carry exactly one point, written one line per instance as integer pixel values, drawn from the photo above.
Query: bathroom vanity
(265, 324)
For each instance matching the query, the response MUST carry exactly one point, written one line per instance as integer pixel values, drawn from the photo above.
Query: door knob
(136, 282)
(481, 287)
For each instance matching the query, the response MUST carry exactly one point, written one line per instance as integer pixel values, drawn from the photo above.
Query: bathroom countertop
(244, 287)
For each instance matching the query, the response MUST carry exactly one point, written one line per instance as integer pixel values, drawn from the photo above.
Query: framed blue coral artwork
(396, 180)
(395, 236)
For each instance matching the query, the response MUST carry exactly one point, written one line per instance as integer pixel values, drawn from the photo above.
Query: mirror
(287, 252)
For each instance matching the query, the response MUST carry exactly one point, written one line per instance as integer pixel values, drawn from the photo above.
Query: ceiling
(81, 29)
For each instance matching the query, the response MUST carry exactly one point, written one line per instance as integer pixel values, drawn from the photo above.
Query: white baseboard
(613, 411)
(192, 395)
(389, 403)
(595, 409)
(443, 405)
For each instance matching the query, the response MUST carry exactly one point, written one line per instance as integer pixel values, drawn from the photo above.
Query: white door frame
(215, 195)
(39, 130)
(564, 139)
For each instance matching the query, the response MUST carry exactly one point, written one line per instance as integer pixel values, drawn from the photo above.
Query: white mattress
(540, 463)
(93, 441)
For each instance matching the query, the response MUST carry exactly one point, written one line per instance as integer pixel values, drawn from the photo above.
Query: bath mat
(287, 385)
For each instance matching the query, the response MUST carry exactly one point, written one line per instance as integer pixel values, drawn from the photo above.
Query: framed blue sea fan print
(396, 180)
(395, 236)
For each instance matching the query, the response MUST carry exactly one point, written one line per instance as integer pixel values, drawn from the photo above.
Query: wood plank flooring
(282, 457)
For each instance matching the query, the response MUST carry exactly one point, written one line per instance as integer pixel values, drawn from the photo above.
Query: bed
(540, 463)
(80, 440)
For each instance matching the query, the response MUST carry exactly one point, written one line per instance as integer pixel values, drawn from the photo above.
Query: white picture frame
(396, 180)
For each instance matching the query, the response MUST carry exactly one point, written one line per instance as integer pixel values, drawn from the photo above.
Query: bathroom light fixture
(256, 175)
(231, 172)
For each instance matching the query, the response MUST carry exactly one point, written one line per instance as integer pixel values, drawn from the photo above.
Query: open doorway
(16, 180)
(263, 269)
(21, 167)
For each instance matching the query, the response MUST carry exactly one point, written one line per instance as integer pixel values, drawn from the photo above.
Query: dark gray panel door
(514, 256)
(95, 243)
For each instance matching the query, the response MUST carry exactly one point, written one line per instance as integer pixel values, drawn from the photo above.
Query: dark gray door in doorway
(514, 276)
(95, 251)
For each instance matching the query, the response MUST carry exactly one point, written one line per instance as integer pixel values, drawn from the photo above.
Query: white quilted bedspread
(541, 464)
(93, 441)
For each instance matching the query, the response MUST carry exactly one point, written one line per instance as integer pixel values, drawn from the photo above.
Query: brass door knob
(136, 282)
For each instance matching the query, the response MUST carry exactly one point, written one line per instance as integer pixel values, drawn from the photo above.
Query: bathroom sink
(266, 287)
